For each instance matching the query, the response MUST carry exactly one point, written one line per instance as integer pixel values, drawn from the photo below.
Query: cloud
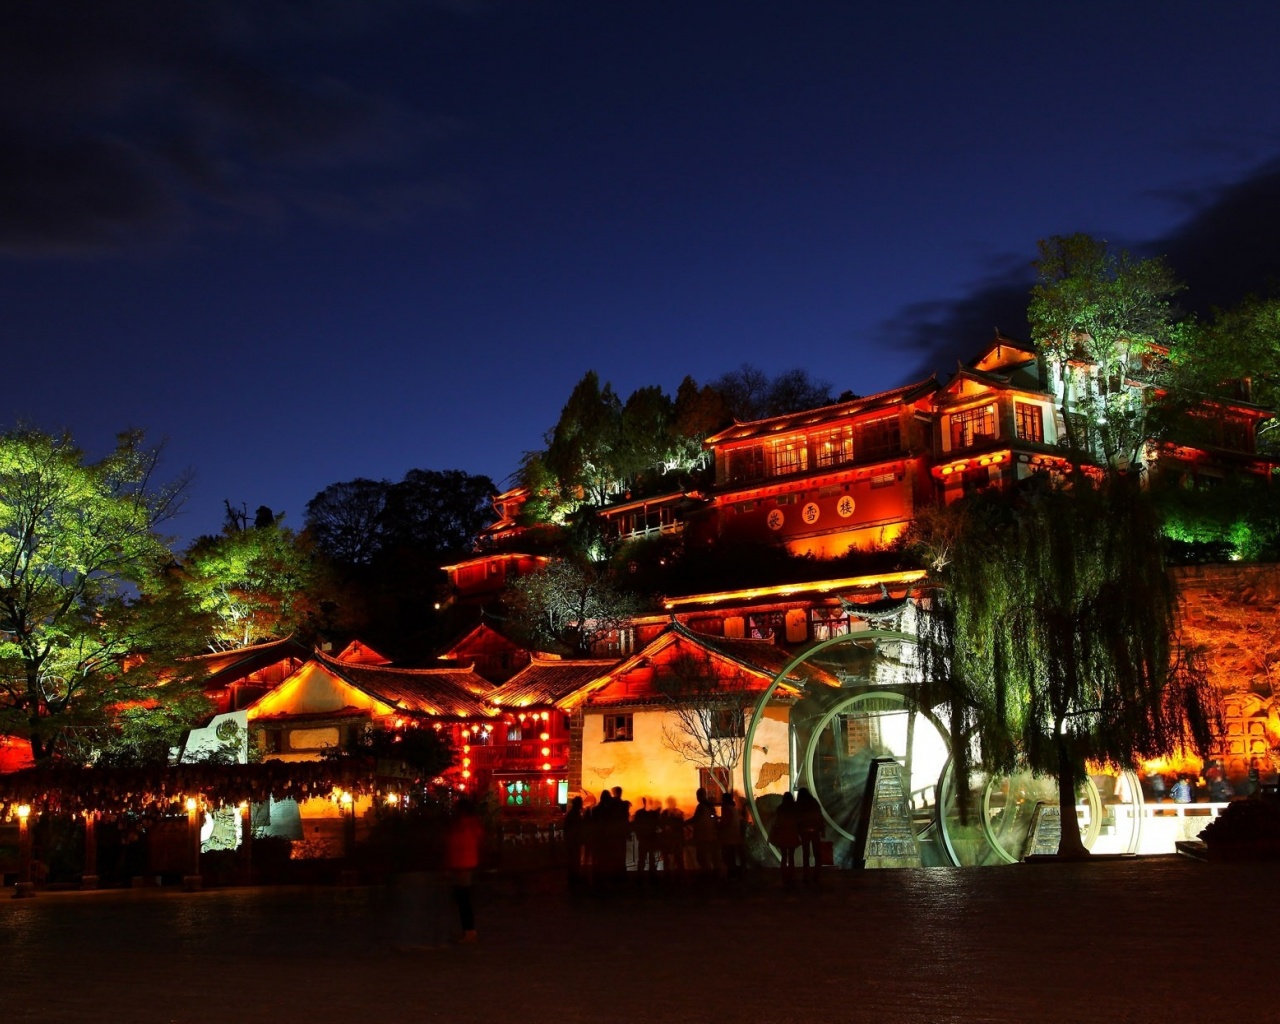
(126, 122)
(943, 331)
(1224, 249)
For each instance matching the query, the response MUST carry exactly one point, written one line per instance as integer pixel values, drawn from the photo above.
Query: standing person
(785, 835)
(461, 858)
(671, 826)
(732, 841)
(810, 824)
(620, 836)
(575, 835)
(645, 823)
(706, 840)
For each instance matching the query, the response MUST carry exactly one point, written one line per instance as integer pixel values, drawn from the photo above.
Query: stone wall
(1232, 612)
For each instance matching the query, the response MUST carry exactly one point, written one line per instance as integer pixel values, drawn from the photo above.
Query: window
(713, 781)
(973, 426)
(879, 438)
(618, 729)
(790, 457)
(766, 625)
(829, 622)
(728, 723)
(746, 464)
(833, 447)
(1030, 421)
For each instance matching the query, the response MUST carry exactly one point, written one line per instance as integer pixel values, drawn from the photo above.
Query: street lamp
(25, 887)
(192, 881)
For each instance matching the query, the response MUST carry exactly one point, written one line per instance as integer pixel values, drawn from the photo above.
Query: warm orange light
(788, 589)
(546, 751)
(345, 799)
(948, 470)
(545, 736)
(393, 798)
(466, 762)
(546, 766)
(466, 774)
(24, 811)
(191, 803)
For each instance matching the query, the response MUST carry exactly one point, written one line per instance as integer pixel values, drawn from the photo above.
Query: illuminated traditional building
(826, 480)
(235, 679)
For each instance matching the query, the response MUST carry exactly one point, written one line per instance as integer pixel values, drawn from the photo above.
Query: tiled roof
(546, 680)
(812, 417)
(448, 692)
(221, 665)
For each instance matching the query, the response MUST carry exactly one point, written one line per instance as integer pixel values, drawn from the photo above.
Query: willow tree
(1053, 634)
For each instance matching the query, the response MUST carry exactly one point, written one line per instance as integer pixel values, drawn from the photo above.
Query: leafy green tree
(570, 604)
(584, 443)
(1235, 354)
(255, 583)
(1052, 634)
(1105, 320)
(83, 587)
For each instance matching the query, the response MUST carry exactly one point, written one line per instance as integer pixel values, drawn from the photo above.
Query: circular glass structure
(852, 703)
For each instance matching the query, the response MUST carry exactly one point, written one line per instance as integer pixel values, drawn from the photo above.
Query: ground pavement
(1151, 940)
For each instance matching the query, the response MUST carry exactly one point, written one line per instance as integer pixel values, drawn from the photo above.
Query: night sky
(309, 242)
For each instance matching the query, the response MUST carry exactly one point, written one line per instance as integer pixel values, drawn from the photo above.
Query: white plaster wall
(646, 768)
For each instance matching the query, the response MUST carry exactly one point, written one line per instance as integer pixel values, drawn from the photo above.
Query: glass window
(790, 457)
(746, 464)
(973, 426)
(617, 728)
(879, 438)
(833, 447)
(1030, 421)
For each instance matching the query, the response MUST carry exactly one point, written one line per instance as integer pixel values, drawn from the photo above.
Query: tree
(345, 520)
(708, 714)
(1052, 634)
(254, 582)
(583, 448)
(749, 394)
(1235, 354)
(569, 604)
(83, 586)
(1104, 319)
(435, 513)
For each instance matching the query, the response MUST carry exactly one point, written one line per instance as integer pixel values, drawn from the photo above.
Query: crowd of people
(710, 843)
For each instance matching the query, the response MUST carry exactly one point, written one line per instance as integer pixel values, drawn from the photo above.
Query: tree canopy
(254, 582)
(1115, 313)
(83, 586)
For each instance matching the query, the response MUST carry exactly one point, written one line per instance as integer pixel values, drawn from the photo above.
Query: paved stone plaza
(1152, 940)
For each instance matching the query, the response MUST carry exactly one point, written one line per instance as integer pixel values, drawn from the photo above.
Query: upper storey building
(822, 481)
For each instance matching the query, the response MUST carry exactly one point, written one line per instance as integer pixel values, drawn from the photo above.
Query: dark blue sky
(308, 242)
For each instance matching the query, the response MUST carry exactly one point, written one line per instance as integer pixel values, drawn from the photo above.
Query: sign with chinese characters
(845, 506)
(810, 513)
(776, 519)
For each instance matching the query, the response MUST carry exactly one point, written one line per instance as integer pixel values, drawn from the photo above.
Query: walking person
(461, 859)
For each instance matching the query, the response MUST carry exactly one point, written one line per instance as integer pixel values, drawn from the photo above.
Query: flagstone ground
(1151, 940)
